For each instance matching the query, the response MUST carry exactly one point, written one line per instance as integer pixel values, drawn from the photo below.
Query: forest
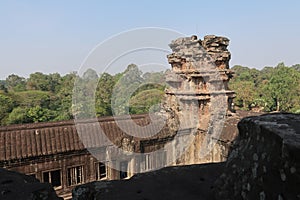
(48, 97)
(269, 89)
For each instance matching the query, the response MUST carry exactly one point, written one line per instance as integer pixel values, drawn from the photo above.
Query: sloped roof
(42, 139)
(39, 139)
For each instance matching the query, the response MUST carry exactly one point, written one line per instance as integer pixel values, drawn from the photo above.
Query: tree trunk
(244, 104)
(277, 106)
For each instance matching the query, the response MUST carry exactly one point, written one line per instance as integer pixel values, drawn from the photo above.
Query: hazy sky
(56, 36)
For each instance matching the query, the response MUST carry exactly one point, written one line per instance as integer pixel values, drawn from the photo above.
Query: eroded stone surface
(267, 156)
(264, 164)
(198, 99)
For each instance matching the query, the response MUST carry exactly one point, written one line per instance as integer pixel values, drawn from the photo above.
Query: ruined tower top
(199, 79)
(211, 50)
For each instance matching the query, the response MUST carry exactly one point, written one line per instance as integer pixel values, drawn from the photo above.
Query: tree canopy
(270, 89)
(48, 97)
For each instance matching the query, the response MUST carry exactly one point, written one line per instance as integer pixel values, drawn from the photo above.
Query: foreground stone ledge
(265, 162)
(15, 186)
(191, 182)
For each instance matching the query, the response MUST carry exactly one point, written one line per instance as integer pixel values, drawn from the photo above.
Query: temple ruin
(199, 95)
(198, 84)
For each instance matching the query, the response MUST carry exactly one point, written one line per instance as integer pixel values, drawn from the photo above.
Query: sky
(57, 36)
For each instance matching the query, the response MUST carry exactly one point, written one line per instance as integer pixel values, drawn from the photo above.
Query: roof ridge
(39, 125)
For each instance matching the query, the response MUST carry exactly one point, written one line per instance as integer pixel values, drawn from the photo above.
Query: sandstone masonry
(198, 96)
(265, 162)
(263, 165)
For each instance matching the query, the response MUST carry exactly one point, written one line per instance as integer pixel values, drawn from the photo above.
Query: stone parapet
(265, 162)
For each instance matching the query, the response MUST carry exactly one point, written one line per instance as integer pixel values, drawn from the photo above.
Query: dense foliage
(48, 97)
(270, 89)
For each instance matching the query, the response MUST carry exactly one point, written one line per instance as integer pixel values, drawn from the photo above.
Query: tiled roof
(39, 139)
(42, 139)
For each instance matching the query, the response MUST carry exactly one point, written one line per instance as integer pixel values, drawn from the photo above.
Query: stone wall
(265, 162)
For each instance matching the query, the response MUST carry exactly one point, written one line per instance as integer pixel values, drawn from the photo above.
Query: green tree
(32, 98)
(103, 94)
(245, 93)
(62, 102)
(3, 87)
(146, 101)
(282, 89)
(84, 95)
(55, 81)
(90, 75)
(39, 114)
(6, 106)
(18, 116)
(39, 81)
(124, 88)
(245, 84)
(296, 67)
(15, 83)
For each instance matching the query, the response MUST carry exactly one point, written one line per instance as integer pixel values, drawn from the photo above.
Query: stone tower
(198, 79)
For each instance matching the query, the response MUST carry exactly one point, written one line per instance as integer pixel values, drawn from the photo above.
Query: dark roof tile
(39, 139)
